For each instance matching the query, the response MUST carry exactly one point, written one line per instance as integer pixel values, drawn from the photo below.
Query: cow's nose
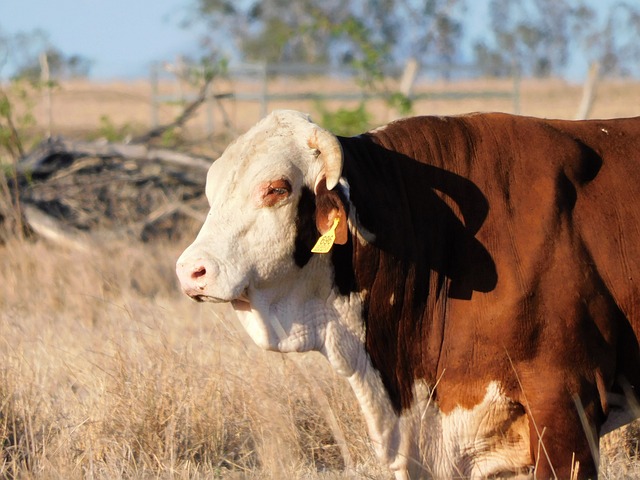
(195, 275)
(198, 272)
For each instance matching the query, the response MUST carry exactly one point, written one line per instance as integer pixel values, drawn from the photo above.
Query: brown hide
(506, 248)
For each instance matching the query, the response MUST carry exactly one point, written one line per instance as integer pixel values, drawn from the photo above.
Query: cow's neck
(344, 347)
(404, 255)
(297, 316)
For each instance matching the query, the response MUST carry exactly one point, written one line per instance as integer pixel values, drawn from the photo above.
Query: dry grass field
(78, 106)
(108, 371)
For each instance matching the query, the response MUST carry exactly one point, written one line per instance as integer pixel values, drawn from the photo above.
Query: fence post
(154, 95)
(180, 71)
(209, 95)
(408, 79)
(45, 78)
(589, 92)
(264, 102)
(516, 88)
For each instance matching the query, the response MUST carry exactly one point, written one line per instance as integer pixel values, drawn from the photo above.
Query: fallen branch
(40, 161)
(49, 228)
(187, 113)
(76, 188)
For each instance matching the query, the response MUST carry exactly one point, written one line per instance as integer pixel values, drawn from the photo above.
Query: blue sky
(121, 37)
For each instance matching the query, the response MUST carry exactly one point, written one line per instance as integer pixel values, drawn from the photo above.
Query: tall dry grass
(107, 372)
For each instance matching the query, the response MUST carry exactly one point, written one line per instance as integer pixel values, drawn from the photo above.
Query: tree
(614, 42)
(60, 66)
(432, 32)
(21, 52)
(269, 30)
(542, 37)
(367, 35)
(532, 37)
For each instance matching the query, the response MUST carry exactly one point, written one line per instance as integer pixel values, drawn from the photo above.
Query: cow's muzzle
(195, 276)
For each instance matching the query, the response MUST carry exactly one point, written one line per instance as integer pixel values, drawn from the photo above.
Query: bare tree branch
(186, 114)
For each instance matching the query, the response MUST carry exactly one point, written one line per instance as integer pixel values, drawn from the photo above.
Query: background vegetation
(533, 37)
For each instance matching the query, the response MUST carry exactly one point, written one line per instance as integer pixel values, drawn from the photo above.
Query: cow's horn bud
(330, 154)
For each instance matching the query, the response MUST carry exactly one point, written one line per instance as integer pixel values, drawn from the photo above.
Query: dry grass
(79, 105)
(107, 372)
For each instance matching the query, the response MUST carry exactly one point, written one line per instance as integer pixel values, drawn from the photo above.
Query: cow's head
(272, 183)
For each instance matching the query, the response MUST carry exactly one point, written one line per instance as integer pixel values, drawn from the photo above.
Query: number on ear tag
(325, 242)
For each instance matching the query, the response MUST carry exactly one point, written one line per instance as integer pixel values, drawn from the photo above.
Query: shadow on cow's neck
(424, 220)
(409, 207)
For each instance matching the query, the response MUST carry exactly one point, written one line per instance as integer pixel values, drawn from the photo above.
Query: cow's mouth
(207, 298)
(242, 299)
(242, 302)
(237, 304)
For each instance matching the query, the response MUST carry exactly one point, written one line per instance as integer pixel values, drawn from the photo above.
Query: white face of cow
(244, 251)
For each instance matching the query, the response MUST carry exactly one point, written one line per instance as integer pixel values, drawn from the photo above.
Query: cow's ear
(329, 206)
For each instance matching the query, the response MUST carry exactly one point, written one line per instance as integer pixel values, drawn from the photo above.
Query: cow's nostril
(198, 272)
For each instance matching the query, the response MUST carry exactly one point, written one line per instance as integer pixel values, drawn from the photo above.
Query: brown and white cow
(483, 288)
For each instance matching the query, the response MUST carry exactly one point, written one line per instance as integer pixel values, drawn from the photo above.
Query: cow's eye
(276, 191)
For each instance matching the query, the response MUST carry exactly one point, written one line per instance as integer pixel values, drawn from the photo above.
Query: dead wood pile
(70, 190)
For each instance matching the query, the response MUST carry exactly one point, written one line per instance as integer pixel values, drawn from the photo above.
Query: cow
(474, 278)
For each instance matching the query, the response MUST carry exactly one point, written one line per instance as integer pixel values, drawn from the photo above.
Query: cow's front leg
(556, 437)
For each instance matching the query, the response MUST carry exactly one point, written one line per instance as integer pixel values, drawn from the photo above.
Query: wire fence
(247, 92)
(262, 86)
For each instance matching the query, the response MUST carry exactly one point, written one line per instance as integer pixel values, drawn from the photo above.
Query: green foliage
(367, 54)
(5, 107)
(532, 37)
(171, 138)
(14, 130)
(400, 102)
(308, 31)
(16, 118)
(112, 132)
(370, 38)
(279, 35)
(345, 121)
(204, 69)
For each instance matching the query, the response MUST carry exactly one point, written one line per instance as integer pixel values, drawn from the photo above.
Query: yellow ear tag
(325, 242)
